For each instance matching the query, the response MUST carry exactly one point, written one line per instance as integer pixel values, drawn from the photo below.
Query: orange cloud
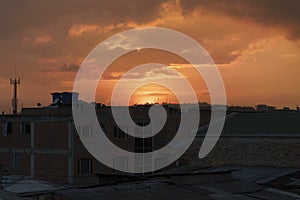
(37, 40)
(77, 30)
(42, 39)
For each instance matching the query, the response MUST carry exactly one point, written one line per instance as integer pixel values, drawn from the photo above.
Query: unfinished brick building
(42, 142)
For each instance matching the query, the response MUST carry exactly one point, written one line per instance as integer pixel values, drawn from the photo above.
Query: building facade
(43, 142)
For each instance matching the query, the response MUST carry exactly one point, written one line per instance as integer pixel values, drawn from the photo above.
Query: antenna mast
(15, 82)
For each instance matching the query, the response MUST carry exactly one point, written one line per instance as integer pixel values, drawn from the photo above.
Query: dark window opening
(143, 145)
(7, 128)
(119, 133)
(26, 128)
(103, 127)
(85, 166)
(116, 129)
(14, 160)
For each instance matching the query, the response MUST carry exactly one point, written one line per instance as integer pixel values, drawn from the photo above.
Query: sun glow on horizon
(152, 94)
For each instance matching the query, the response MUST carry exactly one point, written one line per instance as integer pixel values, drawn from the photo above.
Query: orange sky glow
(255, 45)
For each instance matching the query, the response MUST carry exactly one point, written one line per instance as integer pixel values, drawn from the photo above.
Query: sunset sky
(255, 44)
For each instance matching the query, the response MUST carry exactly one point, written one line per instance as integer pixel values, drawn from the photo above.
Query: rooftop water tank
(75, 96)
(56, 98)
(66, 98)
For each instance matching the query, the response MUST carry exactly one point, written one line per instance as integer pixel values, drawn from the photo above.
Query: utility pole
(15, 82)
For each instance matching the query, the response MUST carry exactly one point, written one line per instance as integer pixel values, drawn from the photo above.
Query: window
(177, 127)
(14, 160)
(26, 128)
(103, 127)
(143, 145)
(121, 163)
(7, 128)
(86, 131)
(116, 131)
(85, 166)
(119, 133)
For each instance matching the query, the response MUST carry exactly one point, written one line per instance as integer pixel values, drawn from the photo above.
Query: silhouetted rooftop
(272, 122)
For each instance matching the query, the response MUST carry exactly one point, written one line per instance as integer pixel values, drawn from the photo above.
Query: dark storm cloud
(68, 67)
(23, 21)
(17, 16)
(283, 13)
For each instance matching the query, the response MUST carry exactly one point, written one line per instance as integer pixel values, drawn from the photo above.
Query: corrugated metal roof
(24, 184)
(4, 195)
(206, 183)
(272, 195)
(194, 170)
(262, 174)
